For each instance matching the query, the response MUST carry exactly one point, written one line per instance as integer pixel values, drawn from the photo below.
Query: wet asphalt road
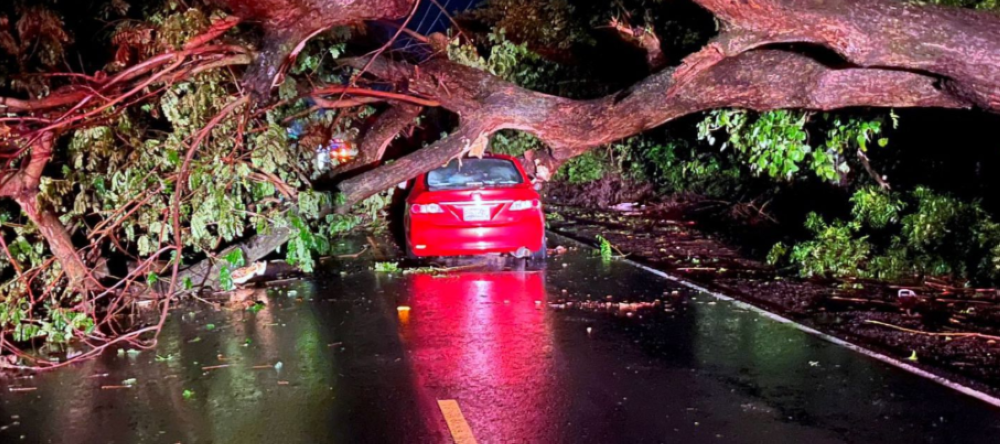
(523, 365)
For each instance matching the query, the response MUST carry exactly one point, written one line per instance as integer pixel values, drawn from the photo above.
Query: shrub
(942, 235)
(582, 169)
(835, 251)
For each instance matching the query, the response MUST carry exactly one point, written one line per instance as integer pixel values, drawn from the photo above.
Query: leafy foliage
(777, 143)
(508, 60)
(561, 30)
(514, 143)
(247, 174)
(230, 262)
(587, 167)
(976, 4)
(679, 167)
(875, 208)
(835, 251)
(926, 233)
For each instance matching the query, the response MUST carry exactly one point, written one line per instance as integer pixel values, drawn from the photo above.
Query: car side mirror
(402, 185)
(537, 186)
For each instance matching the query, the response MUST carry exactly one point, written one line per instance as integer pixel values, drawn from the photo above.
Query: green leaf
(174, 157)
(256, 307)
(25, 332)
(226, 279)
(386, 267)
(235, 258)
(152, 279)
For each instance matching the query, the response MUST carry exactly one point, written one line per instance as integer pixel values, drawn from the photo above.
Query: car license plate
(475, 213)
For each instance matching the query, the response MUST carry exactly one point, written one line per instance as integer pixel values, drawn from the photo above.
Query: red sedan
(474, 206)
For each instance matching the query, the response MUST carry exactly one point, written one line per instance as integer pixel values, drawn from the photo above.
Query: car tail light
(426, 209)
(521, 205)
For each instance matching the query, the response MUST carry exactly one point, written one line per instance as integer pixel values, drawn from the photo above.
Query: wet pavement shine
(526, 355)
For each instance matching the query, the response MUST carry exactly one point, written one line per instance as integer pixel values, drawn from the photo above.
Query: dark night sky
(430, 19)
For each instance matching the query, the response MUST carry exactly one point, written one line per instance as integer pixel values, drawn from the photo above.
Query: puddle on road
(586, 352)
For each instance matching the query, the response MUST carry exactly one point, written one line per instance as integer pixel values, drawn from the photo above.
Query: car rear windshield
(474, 173)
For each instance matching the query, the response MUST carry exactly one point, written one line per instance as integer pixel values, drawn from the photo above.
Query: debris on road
(22, 389)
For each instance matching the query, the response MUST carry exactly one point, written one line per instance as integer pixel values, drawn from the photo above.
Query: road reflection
(484, 339)
(581, 352)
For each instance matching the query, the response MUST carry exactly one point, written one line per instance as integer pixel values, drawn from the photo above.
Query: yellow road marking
(460, 430)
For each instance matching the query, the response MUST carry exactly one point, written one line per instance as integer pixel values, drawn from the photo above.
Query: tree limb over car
(936, 57)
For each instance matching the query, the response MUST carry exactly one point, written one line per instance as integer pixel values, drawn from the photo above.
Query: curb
(964, 389)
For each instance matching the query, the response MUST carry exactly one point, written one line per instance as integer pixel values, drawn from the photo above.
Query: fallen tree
(758, 80)
(181, 152)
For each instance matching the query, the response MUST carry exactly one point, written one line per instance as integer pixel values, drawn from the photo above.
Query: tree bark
(22, 186)
(59, 241)
(960, 45)
(385, 129)
(60, 98)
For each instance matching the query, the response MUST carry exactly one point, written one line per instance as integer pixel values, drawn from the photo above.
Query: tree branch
(289, 23)
(22, 186)
(364, 185)
(643, 38)
(958, 44)
(339, 89)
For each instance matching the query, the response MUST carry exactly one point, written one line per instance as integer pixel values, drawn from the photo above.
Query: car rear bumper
(431, 240)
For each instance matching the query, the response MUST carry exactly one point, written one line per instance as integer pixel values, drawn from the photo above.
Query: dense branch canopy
(287, 23)
(895, 55)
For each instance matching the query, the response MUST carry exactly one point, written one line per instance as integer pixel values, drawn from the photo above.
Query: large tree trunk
(960, 46)
(758, 80)
(411, 165)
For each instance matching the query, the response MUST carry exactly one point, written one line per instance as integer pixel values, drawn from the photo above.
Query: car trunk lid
(479, 207)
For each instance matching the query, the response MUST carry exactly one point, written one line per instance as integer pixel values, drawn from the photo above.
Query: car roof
(493, 156)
